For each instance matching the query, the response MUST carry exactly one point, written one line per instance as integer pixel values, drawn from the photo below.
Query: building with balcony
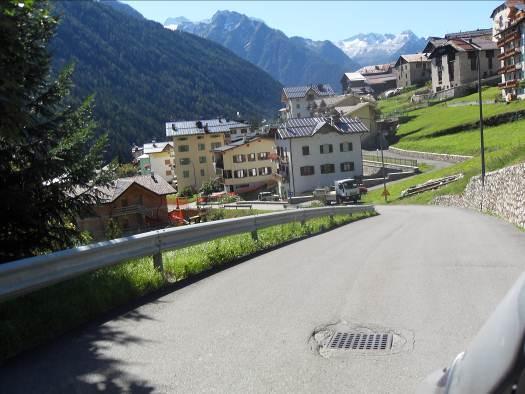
(297, 99)
(194, 142)
(247, 165)
(314, 152)
(454, 62)
(135, 204)
(509, 31)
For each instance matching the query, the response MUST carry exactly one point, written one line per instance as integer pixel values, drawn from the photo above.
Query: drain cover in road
(353, 340)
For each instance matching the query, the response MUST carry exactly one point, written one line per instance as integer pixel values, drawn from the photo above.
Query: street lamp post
(482, 142)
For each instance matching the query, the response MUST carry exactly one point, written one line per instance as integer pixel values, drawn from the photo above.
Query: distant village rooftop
(413, 58)
(464, 45)
(306, 127)
(301, 91)
(219, 125)
(156, 147)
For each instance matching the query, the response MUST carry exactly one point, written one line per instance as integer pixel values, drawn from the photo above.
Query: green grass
(496, 138)
(35, 318)
(425, 122)
(510, 155)
(487, 93)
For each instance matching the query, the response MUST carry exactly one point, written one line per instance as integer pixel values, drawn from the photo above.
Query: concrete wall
(430, 155)
(503, 194)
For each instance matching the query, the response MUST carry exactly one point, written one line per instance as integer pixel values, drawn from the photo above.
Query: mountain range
(143, 75)
(297, 60)
(290, 60)
(373, 48)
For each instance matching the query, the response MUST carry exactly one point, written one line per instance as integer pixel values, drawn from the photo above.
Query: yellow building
(247, 165)
(194, 141)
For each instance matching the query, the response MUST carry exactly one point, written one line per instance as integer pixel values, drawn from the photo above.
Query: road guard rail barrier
(26, 275)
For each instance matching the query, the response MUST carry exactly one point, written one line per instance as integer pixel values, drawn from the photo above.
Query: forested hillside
(143, 75)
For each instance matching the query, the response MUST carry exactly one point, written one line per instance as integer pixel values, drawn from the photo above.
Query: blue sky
(335, 20)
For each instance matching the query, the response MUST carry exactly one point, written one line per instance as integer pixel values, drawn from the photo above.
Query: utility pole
(482, 141)
(385, 192)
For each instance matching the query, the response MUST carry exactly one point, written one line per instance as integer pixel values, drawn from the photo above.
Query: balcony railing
(508, 38)
(509, 53)
(508, 84)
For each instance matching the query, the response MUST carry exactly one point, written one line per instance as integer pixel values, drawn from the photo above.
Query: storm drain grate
(361, 341)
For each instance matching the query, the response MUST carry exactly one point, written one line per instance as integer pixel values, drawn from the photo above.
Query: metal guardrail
(26, 275)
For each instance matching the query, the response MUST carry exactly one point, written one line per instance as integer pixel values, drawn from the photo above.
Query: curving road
(430, 274)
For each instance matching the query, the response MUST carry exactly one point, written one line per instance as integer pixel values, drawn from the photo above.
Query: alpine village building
(297, 99)
(314, 152)
(509, 34)
(413, 69)
(194, 142)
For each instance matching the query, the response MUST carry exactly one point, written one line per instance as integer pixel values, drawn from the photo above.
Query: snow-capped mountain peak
(374, 48)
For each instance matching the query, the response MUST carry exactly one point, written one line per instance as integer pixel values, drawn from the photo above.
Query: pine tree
(50, 159)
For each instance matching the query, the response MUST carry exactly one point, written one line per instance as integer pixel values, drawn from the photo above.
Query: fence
(26, 275)
(391, 160)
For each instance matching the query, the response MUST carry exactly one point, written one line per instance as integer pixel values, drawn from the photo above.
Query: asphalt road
(431, 275)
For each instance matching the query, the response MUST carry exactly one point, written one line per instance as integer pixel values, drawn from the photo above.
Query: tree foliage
(50, 160)
(145, 75)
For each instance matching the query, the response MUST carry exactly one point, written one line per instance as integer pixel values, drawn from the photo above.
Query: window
(240, 173)
(202, 159)
(239, 158)
(215, 145)
(251, 157)
(168, 173)
(263, 155)
(167, 162)
(202, 172)
(298, 106)
(181, 139)
(215, 136)
(185, 174)
(347, 166)
(345, 147)
(306, 150)
(265, 170)
(472, 57)
(233, 132)
(124, 202)
(227, 174)
(327, 168)
(184, 148)
(202, 146)
(298, 115)
(327, 148)
(490, 62)
(243, 131)
(200, 137)
(307, 170)
(184, 161)
(252, 172)
(418, 65)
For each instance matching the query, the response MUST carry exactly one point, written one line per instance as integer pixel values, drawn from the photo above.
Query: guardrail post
(157, 258)
(255, 236)
(157, 262)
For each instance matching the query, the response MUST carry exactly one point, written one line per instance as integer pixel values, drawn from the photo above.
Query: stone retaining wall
(503, 194)
(430, 155)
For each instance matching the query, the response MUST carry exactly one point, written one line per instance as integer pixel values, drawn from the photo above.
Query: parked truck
(342, 191)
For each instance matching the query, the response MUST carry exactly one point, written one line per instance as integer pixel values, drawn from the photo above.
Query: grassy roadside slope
(504, 144)
(35, 318)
